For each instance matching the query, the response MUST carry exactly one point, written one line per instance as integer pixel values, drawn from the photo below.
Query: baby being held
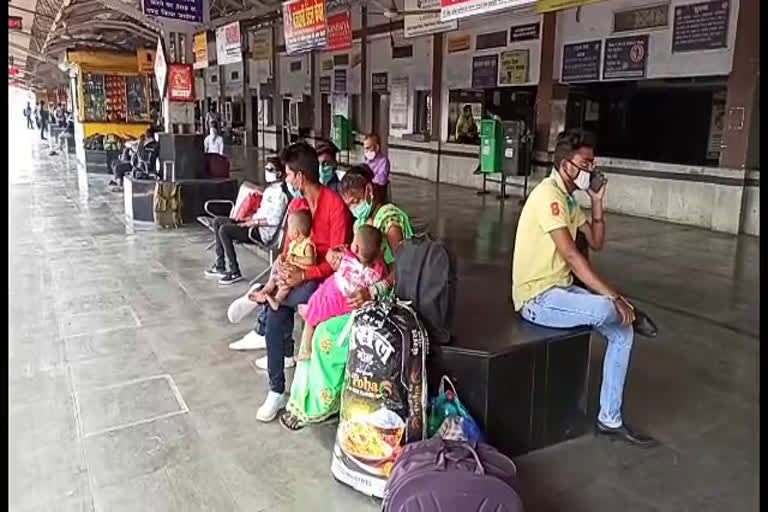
(301, 253)
(360, 267)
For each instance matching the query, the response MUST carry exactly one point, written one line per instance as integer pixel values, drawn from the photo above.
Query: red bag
(218, 166)
(249, 206)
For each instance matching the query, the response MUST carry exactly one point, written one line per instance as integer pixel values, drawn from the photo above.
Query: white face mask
(370, 155)
(582, 180)
(270, 176)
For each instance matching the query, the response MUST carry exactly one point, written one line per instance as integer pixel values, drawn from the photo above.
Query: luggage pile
(390, 443)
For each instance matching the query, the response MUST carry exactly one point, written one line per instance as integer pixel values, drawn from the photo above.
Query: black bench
(527, 386)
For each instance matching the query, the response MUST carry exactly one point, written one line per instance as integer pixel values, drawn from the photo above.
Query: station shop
(650, 79)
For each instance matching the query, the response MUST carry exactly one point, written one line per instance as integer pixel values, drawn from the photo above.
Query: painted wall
(751, 209)
(596, 22)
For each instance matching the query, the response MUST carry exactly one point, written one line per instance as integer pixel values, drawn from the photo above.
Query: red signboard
(339, 32)
(181, 82)
(13, 71)
(14, 22)
(304, 24)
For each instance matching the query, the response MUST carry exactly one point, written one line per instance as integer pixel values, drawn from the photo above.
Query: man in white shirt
(213, 143)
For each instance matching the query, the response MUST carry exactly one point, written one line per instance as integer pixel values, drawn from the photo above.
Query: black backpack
(425, 274)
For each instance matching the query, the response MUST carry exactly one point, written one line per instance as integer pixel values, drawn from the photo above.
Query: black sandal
(290, 421)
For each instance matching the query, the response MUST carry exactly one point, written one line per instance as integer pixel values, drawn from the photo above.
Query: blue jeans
(574, 306)
(278, 329)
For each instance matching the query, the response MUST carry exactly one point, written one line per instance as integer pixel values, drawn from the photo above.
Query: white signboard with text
(428, 23)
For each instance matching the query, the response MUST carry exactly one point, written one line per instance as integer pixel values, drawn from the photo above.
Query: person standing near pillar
(43, 120)
(379, 164)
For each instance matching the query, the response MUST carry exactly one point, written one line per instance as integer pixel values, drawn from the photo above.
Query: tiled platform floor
(124, 397)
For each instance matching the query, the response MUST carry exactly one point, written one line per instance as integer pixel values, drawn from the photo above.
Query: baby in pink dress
(360, 267)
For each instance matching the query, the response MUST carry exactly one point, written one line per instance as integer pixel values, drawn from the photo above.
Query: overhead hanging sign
(701, 26)
(146, 61)
(457, 9)
(625, 57)
(557, 5)
(339, 32)
(304, 25)
(513, 67)
(200, 50)
(581, 62)
(485, 70)
(228, 47)
(260, 44)
(181, 82)
(415, 25)
(161, 67)
(181, 10)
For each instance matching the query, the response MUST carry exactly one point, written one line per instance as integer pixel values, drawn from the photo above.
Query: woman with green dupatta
(316, 389)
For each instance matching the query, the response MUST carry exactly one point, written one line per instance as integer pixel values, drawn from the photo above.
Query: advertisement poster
(457, 9)
(339, 32)
(181, 82)
(557, 5)
(581, 62)
(625, 57)
(304, 25)
(200, 50)
(716, 127)
(228, 48)
(485, 70)
(428, 23)
(146, 61)
(701, 26)
(459, 43)
(398, 104)
(180, 10)
(513, 67)
(340, 81)
(260, 44)
(161, 67)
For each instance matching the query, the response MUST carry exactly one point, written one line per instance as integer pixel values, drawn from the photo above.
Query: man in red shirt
(331, 227)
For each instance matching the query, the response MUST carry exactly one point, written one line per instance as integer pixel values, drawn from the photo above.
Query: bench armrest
(211, 202)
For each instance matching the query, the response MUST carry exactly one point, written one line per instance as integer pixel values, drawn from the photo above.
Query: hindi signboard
(339, 32)
(625, 57)
(459, 43)
(146, 61)
(527, 32)
(181, 82)
(398, 103)
(415, 25)
(513, 67)
(200, 50)
(228, 46)
(325, 84)
(581, 62)
(260, 44)
(14, 22)
(180, 10)
(304, 25)
(340, 81)
(457, 9)
(701, 26)
(379, 82)
(485, 70)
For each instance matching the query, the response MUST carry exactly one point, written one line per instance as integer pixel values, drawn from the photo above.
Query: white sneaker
(250, 341)
(261, 363)
(242, 306)
(272, 405)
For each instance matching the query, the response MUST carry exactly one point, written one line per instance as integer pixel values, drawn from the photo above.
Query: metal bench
(269, 250)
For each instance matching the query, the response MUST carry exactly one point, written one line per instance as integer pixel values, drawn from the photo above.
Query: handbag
(449, 418)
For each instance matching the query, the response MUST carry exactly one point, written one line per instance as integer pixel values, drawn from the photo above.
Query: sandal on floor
(290, 421)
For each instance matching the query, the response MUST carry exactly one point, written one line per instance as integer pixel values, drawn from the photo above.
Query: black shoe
(625, 433)
(216, 271)
(113, 183)
(643, 325)
(231, 278)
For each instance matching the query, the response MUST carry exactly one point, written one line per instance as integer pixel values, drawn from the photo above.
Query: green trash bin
(340, 135)
(491, 146)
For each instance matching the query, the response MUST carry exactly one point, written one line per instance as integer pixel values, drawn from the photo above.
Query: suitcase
(452, 476)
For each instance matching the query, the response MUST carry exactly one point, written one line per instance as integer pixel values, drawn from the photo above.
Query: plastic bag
(447, 406)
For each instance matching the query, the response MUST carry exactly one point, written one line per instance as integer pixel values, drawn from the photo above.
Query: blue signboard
(181, 10)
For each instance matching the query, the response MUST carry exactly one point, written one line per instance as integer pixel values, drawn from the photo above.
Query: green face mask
(326, 172)
(363, 210)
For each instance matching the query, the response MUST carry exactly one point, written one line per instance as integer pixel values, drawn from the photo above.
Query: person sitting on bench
(127, 163)
(326, 155)
(270, 213)
(546, 259)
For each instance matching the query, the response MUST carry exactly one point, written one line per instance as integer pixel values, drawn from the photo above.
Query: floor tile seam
(129, 382)
(124, 426)
(79, 435)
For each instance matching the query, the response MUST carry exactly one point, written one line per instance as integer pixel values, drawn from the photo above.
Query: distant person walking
(28, 116)
(43, 120)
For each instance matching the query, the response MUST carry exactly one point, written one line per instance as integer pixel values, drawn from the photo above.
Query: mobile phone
(597, 181)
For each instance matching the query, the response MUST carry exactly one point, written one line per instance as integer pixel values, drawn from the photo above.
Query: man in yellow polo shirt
(546, 259)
